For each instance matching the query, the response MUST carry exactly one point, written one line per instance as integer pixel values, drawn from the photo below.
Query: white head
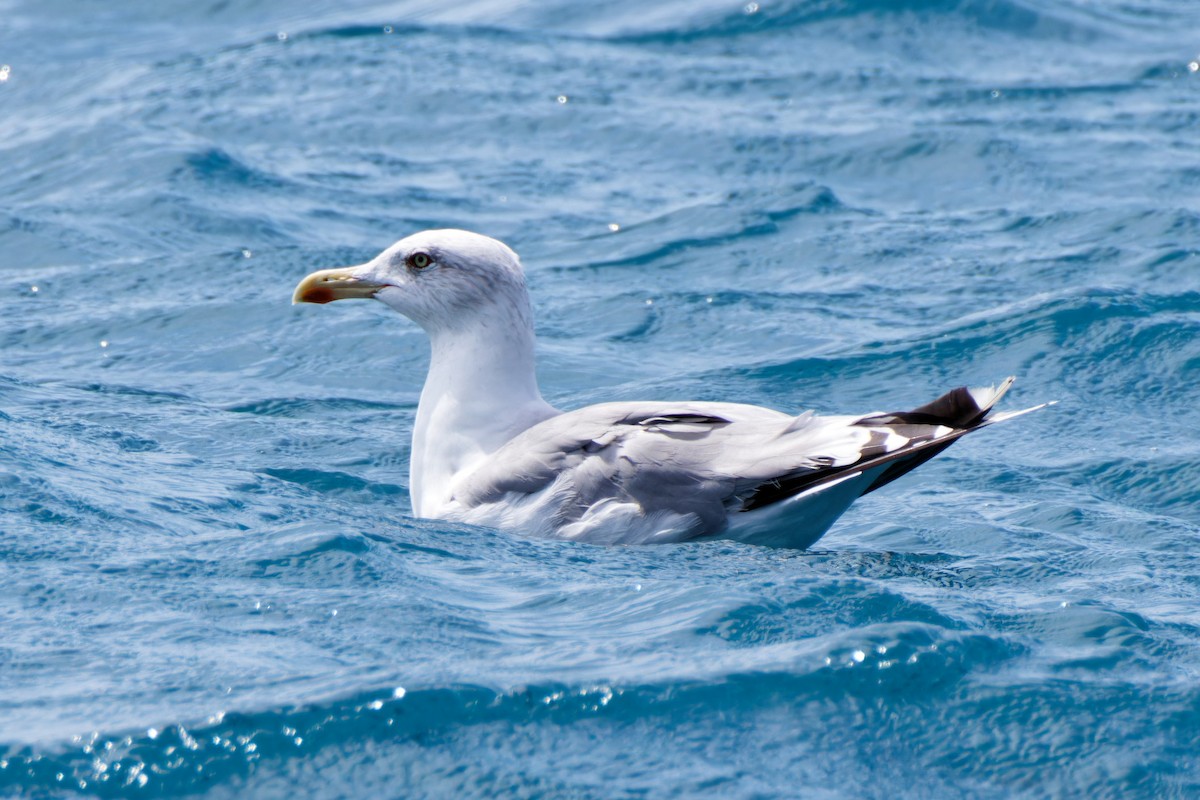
(468, 292)
(440, 279)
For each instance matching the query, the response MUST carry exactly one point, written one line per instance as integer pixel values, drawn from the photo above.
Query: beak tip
(316, 294)
(328, 285)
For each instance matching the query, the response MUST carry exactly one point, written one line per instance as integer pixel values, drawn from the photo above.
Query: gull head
(439, 279)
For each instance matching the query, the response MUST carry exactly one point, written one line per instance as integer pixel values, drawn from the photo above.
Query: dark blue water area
(212, 582)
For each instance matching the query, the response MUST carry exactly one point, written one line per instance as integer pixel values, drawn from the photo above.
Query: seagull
(488, 450)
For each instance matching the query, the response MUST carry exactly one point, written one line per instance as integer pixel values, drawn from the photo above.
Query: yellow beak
(327, 285)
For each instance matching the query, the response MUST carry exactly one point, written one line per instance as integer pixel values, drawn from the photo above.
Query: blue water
(212, 584)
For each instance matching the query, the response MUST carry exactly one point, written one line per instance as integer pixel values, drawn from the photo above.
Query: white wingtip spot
(987, 396)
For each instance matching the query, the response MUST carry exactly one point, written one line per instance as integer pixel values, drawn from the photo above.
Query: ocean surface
(211, 583)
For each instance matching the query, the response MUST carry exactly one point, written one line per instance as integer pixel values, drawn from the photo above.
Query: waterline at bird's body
(487, 449)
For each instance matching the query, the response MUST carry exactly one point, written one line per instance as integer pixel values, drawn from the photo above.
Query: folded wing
(706, 463)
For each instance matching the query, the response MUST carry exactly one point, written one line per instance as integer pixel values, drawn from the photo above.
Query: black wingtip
(955, 409)
(961, 409)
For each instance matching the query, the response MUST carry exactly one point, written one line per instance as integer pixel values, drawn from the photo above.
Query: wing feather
(698, 463)
(690, 458)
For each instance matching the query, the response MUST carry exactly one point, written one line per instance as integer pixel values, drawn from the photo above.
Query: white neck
(481, 391)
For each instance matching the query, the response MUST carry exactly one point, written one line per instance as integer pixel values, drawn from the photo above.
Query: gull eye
(419, 260)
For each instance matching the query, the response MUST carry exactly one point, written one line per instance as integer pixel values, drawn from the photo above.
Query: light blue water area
(212, 583)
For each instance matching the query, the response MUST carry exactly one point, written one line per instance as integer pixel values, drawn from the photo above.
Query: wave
(1061, 20)
(905, 691)
(680, 21)
(893, 661)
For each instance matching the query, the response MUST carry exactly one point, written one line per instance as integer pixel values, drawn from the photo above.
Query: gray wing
(703, 459)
